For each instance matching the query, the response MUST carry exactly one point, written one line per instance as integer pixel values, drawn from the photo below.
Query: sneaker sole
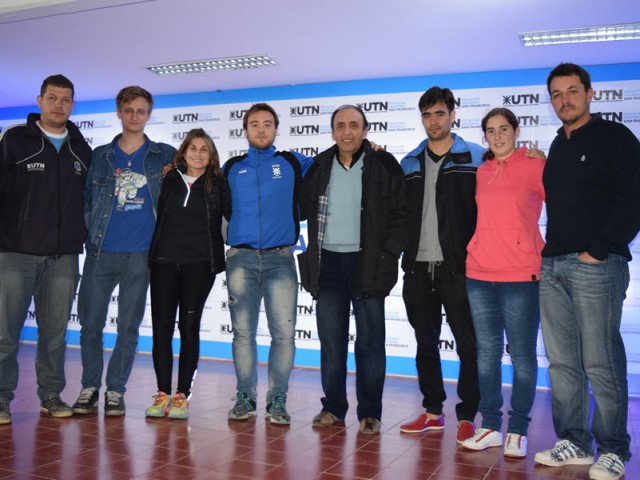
(244, 417)
(115, 413)
(572, 461)
(428, 429)
(85, 410)
(514, 455)
(5, 421)
(479, 448)
(276, 420)
(178, 416)
(154, 415)
(56, 414)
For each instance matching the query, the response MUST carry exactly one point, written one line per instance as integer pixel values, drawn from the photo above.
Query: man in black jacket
(43, 166)
(355, 204)
(592, 186)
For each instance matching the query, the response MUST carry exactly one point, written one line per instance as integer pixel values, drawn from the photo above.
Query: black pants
(188, 287)
(425, 292)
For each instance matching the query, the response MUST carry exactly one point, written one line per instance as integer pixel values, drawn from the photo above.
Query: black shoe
(114, 404)
(87, 401)
(55, 407)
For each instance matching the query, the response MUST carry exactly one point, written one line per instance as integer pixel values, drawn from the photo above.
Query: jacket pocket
(386, 275)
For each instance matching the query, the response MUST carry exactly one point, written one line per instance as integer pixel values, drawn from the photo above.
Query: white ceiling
(105, 49)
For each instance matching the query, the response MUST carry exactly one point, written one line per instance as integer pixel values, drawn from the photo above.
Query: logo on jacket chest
(277, 171)
(35, 167)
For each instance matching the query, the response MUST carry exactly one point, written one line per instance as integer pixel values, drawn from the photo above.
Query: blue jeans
(251, 276)
(100, 276)
(337, 292)
(52, 283)
(496, 308)
(581, 310)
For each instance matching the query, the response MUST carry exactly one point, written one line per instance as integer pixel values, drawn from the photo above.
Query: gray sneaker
(608, 467)
(244, 408)
(277, 411)
(563, 453)
(87, 401)
(55, 407)
(5, 413)
(114, 404)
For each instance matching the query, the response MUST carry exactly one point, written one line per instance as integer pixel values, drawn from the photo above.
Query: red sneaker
(466, 429)
(423, 424)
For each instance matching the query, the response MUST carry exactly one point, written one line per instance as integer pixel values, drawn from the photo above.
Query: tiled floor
(207, 446)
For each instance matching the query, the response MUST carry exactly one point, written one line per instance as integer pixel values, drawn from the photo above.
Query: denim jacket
(101, 185)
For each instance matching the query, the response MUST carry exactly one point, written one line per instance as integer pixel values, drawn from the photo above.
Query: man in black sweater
(592, 184)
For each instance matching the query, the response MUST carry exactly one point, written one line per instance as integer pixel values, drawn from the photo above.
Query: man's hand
(535, 153)
(375, 147)
(586, 258)
(166, 169)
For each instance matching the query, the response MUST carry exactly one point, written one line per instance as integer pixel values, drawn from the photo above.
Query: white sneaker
(563, 453)
(515, 446)
(483, 439)
(609, 466)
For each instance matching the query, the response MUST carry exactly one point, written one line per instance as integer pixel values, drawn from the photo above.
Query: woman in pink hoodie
(503, 271)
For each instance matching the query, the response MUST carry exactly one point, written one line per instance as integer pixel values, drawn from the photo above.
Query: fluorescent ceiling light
(213, 65)
(20, 10)
(603, 33)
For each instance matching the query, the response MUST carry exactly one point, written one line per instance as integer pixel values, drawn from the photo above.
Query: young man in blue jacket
(264, 224)
(441, 183)
(121, 196)
(43, 166)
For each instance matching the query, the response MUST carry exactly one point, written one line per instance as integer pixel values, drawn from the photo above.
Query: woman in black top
(187, 251)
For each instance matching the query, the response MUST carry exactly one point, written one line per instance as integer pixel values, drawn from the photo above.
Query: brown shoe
(370, 426)
(326, 419)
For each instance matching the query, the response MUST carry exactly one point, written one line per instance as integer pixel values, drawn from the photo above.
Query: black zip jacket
(41, 191)
(217, 203)
(455, 202)
(383, 221)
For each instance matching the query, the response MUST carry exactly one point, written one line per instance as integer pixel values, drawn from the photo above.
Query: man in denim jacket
(121, 196)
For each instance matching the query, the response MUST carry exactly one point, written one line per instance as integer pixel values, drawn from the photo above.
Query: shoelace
(55, 402)
(611, 462)
(113, 398)
(86, 394)
(160, 399)
(243, 399)
(513, 440)
(279, 403)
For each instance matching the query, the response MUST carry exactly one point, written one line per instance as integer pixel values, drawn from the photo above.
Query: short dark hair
(568, 69)
(260, 107)
(353, 107)
(59, 81)
(498, 112)
(129, 94)
(437, 95)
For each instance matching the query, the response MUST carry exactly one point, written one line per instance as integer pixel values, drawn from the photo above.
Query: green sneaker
(159, 407)
(179, 407)
(277, 411)
(5, 413)
(244, 408)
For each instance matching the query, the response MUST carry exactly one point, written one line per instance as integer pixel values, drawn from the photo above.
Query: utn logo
(235, 133)
(84, 124)
(613, 116)
(304, 130)
(305, 111)
(307, 151)
(236, 153)
(378, 126)
(236, 114)
(374, 106)
(527, 143)
(185, 118)
(529, 120)
(179, 136)
(89, 140)
(521, 99)
(608, 96)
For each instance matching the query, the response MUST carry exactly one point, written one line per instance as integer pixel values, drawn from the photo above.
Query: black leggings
(187, 286)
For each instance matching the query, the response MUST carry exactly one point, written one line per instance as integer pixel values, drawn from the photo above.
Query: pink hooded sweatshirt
(507, 243)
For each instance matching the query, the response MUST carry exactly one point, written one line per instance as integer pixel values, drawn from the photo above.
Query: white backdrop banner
(395, 124)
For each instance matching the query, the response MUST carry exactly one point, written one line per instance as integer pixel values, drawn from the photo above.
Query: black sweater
(592, 185)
